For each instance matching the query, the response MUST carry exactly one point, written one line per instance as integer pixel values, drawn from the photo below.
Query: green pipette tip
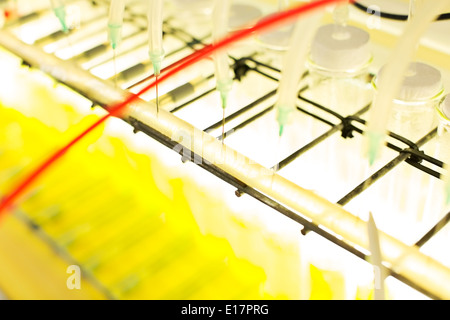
(280, 132)
(282, 118)
(224, 99)
(115, 34)
(157, 68)
(224, 87)
(375, 140)
(156, 58)
(60, 13)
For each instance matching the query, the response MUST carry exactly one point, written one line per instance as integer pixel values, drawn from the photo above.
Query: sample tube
(413, 113)
(413, 116)
(339, 61)
(338, 66)
(438, 202)
(443, 150)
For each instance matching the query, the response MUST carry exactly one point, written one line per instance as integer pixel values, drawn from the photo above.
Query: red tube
(271, 22)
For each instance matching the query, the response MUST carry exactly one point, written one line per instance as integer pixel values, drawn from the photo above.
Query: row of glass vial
(340, 80)
(405, 202)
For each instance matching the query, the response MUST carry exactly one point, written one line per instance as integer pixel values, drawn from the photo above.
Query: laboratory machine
(224, 149)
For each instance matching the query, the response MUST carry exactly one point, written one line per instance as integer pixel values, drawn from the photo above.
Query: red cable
(271, 22)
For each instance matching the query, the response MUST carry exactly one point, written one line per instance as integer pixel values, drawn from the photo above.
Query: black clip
(347, 130)
(240, 69)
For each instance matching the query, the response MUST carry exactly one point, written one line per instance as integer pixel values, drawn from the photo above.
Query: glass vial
(437, 205)
(338, 66)
(403, 190)
(412, 114)
(338, 80)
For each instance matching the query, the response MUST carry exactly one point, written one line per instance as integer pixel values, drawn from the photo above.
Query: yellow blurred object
(30, 269)
(326, 284)
(100, 205)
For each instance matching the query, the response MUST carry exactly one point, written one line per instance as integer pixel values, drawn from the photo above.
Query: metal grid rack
(253, 63)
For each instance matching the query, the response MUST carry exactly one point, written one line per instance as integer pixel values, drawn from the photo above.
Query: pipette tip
(224, 87)
(224, 99)
(115, 34)
(156, 58)
(280, 131)
(375, 141)
(60, 13)
(282, 118)
(157, 69)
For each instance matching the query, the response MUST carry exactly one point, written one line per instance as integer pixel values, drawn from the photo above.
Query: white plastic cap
(446, 106)
(340, 48)
(243, 15)
(422, 82)
(278, 39)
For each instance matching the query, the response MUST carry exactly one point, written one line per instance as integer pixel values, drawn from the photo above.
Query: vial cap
(422, 82)
(340, 48)
(243, 16)
(278, 39)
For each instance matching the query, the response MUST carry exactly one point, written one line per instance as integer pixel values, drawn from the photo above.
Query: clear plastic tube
(224, 80)
(155, 42)
(396, 68)
(294, 66)
(116, 11)
(341, 14)
(413, 8)
(115, 22)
